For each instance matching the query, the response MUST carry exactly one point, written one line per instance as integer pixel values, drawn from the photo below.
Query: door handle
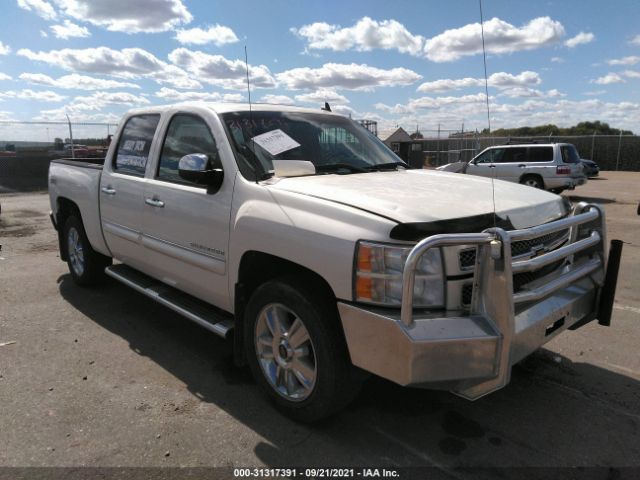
(108, 190)
(154, 202)
(522, 165)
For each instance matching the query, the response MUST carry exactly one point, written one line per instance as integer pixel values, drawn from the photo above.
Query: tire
(307, 380)
(85, 264)
(532, 181)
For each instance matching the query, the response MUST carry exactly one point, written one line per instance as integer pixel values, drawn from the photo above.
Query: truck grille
(549, 241)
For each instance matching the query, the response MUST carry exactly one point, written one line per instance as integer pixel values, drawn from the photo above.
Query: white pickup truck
(325, 256)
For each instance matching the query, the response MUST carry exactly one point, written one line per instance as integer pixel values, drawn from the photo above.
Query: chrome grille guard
(493, 295)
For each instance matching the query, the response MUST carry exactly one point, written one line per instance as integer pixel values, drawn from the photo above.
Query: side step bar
(205, 315)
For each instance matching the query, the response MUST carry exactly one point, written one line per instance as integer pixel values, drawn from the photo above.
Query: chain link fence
(439, 147)
(27, 148)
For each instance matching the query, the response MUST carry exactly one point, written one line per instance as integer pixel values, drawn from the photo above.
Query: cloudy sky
(397, 62)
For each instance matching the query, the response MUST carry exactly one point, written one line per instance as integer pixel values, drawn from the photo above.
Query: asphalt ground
(104, 377)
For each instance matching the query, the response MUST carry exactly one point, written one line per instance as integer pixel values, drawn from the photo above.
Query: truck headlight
(378, 275)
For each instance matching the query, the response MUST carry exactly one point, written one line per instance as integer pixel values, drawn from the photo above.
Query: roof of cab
(229, 107)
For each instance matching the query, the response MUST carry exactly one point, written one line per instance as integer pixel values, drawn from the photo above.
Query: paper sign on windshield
(275, 142)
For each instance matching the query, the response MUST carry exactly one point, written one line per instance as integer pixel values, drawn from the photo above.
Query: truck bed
(81, 162)
(78, 181)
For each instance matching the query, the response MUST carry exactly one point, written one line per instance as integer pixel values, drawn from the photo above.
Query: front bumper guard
(472, 354)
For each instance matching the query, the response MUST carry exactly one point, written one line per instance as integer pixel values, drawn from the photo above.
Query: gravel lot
(106, 377)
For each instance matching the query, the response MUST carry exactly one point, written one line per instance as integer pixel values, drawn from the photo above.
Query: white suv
(552, 166)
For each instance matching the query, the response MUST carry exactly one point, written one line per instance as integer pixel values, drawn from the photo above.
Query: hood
(425, 196)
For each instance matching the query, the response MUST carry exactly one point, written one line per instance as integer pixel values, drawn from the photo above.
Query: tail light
(563, 170)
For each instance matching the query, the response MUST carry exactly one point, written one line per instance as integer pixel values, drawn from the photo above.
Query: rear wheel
(85, 264)
(296, 350)
(532, 181)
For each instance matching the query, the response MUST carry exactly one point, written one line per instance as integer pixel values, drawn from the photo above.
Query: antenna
(246, 63)
(486, 91)
(253, 147)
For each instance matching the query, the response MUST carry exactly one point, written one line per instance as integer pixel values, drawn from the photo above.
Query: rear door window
(541, 154)
(514, 155)
(134, 144)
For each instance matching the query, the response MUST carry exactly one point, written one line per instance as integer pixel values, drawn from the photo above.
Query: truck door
(122, 189)
(186, 226)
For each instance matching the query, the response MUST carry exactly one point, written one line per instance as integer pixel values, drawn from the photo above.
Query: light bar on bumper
(378, 275)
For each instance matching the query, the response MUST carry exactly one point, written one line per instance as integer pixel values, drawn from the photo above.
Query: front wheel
(296, 349)
(85, 264)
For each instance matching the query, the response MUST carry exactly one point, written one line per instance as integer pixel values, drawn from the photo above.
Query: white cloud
(323, 95)
(40, 7)
(69, 30)
(44, 34)
(75, 81)
(569, 112)
(631, 74)
(365, 35)
(524, 92)
(218, 35)
(630, 60)
(580, 39)
(177, 96)
(129, 16)
(557, 59)
(431, 103)
(609, 78)
(499, 36)
(125, 63)
(277, 99)
(530, 112)
(594, 93)
(4, 76)
(4, 49)
(635, 41)
(345, 110)
(498, 80)
(28, 94)
(77, 115)
(217, 70)
(99, 100)
(349, 76)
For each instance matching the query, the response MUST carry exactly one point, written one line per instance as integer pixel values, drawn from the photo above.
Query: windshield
(332, 143)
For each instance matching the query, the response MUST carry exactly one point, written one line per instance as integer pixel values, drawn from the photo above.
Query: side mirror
(194, 168)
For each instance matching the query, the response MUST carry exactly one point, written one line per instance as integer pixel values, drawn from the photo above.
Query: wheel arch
(534, 175)
(257, 268)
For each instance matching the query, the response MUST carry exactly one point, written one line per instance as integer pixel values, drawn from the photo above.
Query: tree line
(582, 128)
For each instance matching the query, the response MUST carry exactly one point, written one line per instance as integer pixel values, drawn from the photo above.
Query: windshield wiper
(387, 166)
(336, 167)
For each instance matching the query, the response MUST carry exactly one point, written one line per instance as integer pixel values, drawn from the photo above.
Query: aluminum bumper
(472, 354)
